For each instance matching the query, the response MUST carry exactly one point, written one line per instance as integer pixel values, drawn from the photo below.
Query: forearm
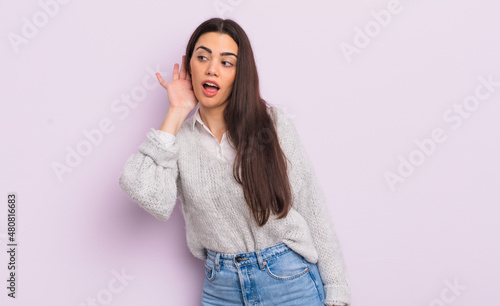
(150, 176)
(173, 120)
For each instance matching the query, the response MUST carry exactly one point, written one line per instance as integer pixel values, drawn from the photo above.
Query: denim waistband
(257, 257)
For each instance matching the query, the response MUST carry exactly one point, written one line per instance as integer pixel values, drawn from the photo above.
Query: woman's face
(213, 68)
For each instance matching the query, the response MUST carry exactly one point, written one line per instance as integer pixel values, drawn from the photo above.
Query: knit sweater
(215, 211)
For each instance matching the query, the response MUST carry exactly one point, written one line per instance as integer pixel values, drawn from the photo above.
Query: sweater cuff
(337, 295)
(167, 139)
(154, 147)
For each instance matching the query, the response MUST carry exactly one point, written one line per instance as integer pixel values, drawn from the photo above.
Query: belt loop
(260, 260)
(217, 262)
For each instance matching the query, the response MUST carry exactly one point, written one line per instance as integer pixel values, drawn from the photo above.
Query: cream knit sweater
(216, 214)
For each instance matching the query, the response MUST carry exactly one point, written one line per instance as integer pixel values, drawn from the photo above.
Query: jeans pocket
(209, 270)
(289, 265)
(316, 278)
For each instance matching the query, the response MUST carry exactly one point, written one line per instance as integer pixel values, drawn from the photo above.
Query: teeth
(211, 84)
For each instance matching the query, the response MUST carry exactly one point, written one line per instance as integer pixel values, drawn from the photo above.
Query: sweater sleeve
(309, 201)
(150, 177)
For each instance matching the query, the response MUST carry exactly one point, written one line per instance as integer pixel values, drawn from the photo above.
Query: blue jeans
(273, 276)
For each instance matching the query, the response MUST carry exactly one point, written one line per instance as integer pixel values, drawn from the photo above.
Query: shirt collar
(197, 118)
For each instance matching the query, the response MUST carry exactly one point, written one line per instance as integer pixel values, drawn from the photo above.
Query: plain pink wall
(372, 86)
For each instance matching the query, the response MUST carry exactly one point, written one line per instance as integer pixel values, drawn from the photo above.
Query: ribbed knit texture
(216, 214)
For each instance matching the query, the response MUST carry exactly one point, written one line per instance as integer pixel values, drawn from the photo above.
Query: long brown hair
(260, 165)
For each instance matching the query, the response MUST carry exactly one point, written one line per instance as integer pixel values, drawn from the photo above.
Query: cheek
(193, 68)
(231, 80)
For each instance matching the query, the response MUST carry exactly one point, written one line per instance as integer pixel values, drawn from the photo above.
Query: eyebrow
(222, 54)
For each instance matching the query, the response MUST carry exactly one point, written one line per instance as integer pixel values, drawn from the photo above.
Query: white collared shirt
(223, 150)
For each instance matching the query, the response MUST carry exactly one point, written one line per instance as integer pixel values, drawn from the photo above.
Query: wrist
(179, 110)
(174, 119)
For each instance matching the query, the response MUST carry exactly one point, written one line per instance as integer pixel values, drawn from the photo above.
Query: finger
(175, 74)
(183, 68)
(161, 80)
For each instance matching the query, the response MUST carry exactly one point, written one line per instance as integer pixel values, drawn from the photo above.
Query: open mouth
(210, 87)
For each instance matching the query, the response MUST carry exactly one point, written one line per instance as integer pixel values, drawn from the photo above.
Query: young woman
(253, 208)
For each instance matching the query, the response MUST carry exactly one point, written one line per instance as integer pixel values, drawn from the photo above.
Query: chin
(211, 102)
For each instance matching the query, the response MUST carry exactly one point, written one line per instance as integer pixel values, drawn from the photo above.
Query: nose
(212, 68)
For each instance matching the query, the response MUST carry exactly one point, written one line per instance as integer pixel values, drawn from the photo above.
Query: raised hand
(180, 90)
(181, 97)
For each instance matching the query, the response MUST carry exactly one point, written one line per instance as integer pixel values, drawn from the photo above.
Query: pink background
(356, 115)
